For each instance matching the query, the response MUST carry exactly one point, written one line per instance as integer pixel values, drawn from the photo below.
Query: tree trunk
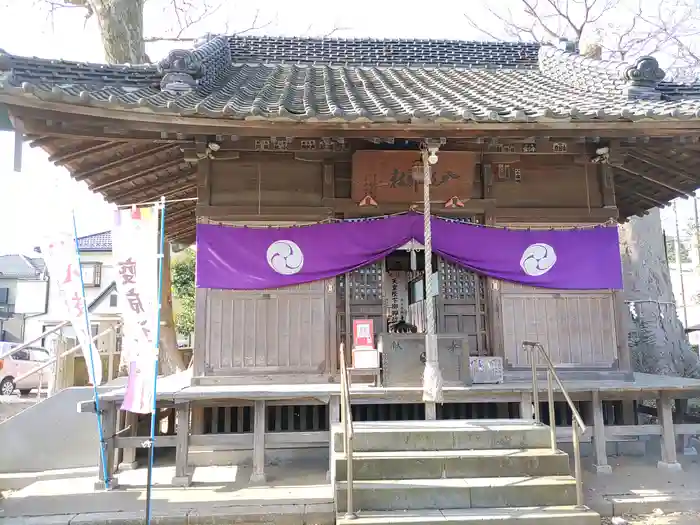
(172, 360)
(121, 30)
(657, 340)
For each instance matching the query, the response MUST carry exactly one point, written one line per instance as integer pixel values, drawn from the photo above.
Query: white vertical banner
(135, 247)
(60, 254)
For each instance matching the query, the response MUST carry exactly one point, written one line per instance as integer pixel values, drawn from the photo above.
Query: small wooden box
(365, 358)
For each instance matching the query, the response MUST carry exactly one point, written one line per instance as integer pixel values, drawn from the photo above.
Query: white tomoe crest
(285, 257)
(538, 259)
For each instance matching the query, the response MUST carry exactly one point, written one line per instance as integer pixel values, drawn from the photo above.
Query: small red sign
(363, 333)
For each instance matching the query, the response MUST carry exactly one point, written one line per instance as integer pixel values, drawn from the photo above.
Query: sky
(26, 28)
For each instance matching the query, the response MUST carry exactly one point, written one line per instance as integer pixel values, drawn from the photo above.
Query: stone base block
(603, 469)
(672, 467)
(127, 466)
(258, 478)
(182, 481)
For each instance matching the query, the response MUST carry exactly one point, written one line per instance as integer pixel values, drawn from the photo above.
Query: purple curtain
(261, 258)
(574, 259)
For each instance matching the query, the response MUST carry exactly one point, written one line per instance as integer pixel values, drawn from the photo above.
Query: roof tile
(97, 242)
(305, 79)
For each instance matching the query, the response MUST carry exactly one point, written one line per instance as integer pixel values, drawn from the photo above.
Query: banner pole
(98, 411)
(161, 256)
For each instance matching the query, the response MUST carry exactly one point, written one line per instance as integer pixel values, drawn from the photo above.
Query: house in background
(23, 294)
(99, 273)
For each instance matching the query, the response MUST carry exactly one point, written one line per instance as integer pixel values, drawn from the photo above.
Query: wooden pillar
(682, 440)
(334, 425)
(621, 313)
(526, 408)
(599, 441)
(259, 428)
(669, 459)
(109, 429)
(197, 419)
(183, 476)
(128, 461)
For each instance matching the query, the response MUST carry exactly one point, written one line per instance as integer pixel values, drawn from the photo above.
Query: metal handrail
(68, 352)
(24, 346)
(578, 426)
(348, 430)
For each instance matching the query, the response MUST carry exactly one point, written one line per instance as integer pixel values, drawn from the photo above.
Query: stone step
(478, 463)
(458, 493)
(382, 436)
(508, 516)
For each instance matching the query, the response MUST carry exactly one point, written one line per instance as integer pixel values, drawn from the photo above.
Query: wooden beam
(328, 187)
(22, 106)
(188, 235)
(204, 183)
(181, 212)
(175, 225)
(140, 174)
(92, 132)
(471, 207)
(331, 206)
(679, 192)
(102, 168)
(664, 164)
(181, 178)
(262, 213)
(655, 202)
(179, 192)
(63, 157)
(550, 214)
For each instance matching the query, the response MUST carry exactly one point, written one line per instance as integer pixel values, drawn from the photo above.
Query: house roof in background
(20, 267)
(97, 242)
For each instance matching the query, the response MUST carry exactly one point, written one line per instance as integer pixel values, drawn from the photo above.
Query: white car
(18, 364)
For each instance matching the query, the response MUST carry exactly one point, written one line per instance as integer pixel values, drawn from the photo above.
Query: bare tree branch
(621, 30)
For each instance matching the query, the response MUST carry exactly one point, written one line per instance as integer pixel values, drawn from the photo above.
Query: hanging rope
(432, 378)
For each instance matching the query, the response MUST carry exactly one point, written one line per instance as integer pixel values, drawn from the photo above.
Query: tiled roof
(18, 266)
(314, 80)
(97, 242)
(38, 263)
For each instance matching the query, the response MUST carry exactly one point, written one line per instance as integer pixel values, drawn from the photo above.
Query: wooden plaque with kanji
(386, 176)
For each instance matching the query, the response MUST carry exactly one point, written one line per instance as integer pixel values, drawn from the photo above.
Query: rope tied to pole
(432, 377)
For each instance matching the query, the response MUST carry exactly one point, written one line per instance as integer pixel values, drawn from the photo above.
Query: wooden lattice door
(360, 296)
(461, 305)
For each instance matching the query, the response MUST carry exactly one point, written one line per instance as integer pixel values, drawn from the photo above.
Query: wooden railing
(348, 431)
(578, 425)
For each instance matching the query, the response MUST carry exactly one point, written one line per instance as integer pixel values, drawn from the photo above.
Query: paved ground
(641, 494)
(300, 493)
(633, 492)
(11, 405)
